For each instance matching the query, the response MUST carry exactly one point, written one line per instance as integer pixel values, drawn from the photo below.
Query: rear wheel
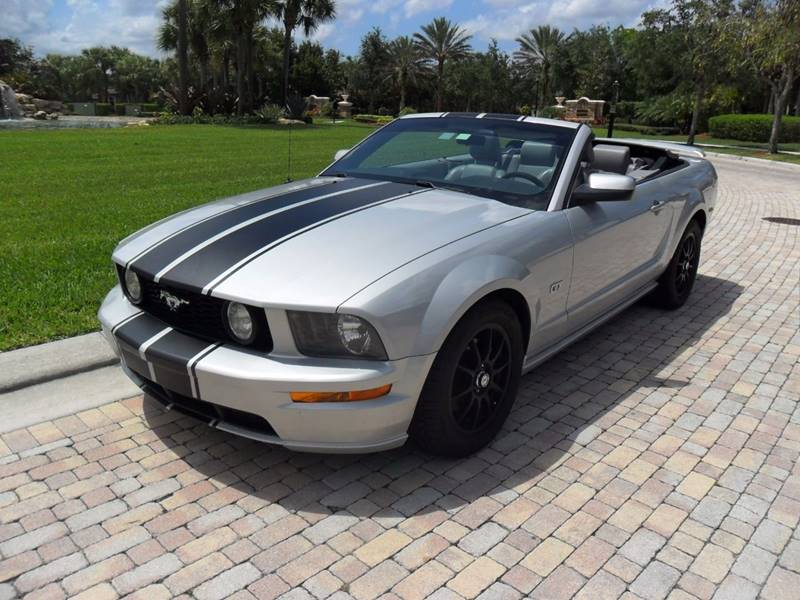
(675, 285)
(472, 384)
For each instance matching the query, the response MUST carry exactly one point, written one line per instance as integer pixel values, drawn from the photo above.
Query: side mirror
(604, 187)
(340, 153)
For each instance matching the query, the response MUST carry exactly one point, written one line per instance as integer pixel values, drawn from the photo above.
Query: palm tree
(440, 41)
(243, 17)
(538, 49)
(183, 57)
(308, 14)
(406, 64)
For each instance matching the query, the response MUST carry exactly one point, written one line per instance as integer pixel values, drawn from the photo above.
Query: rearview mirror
(604, 187)
(340, 153)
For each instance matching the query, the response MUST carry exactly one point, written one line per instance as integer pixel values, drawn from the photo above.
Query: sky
(67, 26)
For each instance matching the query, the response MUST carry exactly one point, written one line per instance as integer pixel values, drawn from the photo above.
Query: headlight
(348, 336)
(133, 287)
(240, 323)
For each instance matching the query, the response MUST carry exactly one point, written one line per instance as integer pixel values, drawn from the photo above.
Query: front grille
(202, 316)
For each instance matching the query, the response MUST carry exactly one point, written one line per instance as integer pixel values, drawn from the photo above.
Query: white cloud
(507, 19)
(413, 7)
(131, 23)
(23, 18)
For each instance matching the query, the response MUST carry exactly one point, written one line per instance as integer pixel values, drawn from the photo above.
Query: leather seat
(611, 159)
(485, 151)
(535, 159)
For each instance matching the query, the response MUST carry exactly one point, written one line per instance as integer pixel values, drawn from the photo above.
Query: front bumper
(209, 380)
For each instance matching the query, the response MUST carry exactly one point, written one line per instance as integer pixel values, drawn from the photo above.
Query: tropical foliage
(681, 65)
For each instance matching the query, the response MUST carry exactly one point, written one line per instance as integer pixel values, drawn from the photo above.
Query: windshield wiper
(425, 184)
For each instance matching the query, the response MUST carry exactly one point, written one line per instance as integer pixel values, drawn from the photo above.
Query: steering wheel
(531, 178)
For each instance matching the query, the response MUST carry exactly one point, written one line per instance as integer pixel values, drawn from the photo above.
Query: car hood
(310, 245)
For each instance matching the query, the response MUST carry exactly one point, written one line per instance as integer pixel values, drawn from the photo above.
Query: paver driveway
(657, 457)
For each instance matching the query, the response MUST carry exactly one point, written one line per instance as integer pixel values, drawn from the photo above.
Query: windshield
(506, 160)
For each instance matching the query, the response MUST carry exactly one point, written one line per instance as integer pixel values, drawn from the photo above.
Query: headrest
(537, 154)
(484, 148)
(613, 159)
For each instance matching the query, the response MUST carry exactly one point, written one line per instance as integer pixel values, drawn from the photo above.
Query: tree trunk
(781, 97)
(249, 70)
(240, 73)
(203, 68)
(797, 101)
(288, 27)
(698, 103)
(183, 58)
(440, 86)
(402, 94)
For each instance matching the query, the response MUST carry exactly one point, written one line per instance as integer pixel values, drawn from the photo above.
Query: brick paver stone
(656, 458)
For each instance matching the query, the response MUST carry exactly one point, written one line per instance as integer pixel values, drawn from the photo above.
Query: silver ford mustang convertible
(404, 290)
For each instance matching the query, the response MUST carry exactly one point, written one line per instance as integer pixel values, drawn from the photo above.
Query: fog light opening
(356, 396)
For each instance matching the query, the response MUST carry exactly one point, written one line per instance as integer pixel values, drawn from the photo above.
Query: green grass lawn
(68, 196)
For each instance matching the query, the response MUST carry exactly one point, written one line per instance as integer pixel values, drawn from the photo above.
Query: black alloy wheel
(472, 384)
(481, 379)
(676, 283)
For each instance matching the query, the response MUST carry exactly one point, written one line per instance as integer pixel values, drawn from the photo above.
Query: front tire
(472, 385)
(675, 285)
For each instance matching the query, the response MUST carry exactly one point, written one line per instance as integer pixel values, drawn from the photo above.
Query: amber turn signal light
(341, 396)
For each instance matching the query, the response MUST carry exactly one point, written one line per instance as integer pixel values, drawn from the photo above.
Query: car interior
(536, 161)
(506, 162)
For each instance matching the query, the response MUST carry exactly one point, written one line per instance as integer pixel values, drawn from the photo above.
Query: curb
(64, 396)
(763, 162)
(55, 360)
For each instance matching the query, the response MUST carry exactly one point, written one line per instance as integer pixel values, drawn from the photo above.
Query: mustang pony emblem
(172, 301)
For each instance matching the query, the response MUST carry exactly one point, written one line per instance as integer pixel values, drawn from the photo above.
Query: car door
(618, 245)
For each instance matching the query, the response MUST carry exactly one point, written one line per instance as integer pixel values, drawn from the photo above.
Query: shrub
(407, 110)
(270, 113)
(552, 112)
(151, 107)
(102, 109)
(525, 109)
(645, 129)
(374, 119)
(753, 128)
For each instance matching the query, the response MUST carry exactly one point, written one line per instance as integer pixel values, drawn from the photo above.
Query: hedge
(102, 109)
(646, 129)
(380, 119)
(753, 128)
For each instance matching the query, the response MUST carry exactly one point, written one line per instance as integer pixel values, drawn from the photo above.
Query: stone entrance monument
(584, 110)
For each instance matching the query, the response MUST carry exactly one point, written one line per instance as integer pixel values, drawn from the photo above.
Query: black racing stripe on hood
(203, 267)
(155, 258)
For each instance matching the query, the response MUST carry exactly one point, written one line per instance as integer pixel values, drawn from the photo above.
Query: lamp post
(612, 111)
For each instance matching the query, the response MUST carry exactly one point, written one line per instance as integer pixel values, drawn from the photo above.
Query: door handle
(658, 205)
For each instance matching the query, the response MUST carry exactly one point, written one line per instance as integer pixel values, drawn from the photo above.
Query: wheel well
(700, 218)
(520, 306)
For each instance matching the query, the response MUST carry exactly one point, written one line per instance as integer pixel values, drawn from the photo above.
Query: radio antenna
(289, 166)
